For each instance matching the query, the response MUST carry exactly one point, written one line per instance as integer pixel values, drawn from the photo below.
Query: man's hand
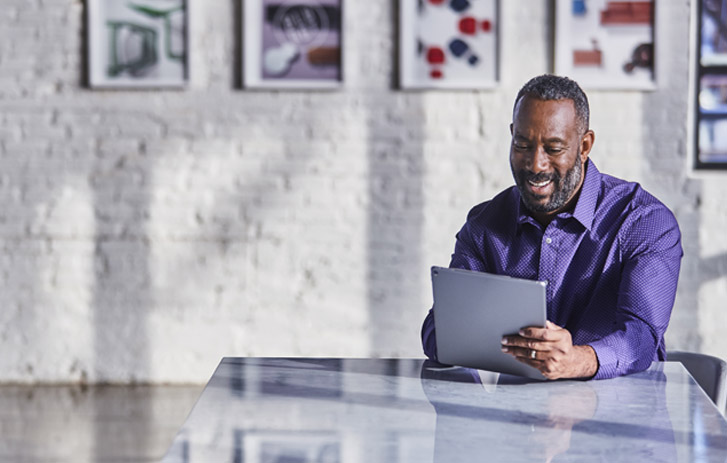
(551, 351)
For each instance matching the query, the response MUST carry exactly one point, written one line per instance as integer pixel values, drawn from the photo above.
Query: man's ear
(586, 144)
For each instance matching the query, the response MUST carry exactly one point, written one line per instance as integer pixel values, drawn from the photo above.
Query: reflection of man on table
(562, 421)
(609, 250)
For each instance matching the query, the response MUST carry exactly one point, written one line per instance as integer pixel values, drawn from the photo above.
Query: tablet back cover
(474, 310)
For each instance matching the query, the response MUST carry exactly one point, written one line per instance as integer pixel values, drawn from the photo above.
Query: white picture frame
(606, 45)
(292, 44)
(449, 44)
(138, 44)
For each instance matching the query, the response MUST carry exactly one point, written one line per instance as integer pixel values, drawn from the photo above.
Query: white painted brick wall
(145, 234)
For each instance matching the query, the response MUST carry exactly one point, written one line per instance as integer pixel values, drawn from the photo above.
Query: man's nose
(539, 161)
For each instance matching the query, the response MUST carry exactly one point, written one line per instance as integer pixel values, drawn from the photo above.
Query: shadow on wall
(666, 166)
(663, 163)
(120, 178)
(395, 222)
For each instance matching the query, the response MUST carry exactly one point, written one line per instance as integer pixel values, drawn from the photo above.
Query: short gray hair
(549, 87)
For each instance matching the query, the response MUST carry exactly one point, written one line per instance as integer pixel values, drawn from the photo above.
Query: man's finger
(526, 343)
(535, 363)
(551, 332)
(552, 326)
(541, 334)
(522, 353)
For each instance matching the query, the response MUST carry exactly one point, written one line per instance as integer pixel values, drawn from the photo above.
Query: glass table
(277, 410)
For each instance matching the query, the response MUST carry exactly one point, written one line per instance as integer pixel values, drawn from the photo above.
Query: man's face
(547, 154)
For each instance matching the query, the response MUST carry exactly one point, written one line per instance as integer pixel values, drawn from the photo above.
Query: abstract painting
(713, 32)
(137, 43)
(711, 85)
(448, 44)
(292, 43)
(606, 44)
(712, 128)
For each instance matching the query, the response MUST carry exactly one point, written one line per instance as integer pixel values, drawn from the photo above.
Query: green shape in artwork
(157, 13)
(154, 12)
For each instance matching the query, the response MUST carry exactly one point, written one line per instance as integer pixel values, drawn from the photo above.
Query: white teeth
(539, 185)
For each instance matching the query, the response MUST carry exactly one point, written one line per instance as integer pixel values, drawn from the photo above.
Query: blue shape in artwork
(459, 5)
(579, 7)
(473, 60)
(458, 47)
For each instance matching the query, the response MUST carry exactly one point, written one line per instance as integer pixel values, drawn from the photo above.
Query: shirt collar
(585, 207)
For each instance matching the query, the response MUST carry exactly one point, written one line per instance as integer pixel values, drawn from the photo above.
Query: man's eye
(555, 150)
(521, 147)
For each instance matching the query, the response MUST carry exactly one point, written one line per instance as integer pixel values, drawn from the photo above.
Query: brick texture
(145, 234)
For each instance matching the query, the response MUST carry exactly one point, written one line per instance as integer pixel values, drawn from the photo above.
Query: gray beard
(564, 189)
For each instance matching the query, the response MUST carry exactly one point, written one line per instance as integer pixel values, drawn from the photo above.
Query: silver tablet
(474, 310)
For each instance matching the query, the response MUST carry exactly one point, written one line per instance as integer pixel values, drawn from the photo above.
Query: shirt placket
(548, 266)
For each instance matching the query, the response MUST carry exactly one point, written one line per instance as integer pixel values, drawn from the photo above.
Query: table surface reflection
(276, 410)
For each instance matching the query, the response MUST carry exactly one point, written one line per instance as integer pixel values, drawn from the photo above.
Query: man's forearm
(429, 341)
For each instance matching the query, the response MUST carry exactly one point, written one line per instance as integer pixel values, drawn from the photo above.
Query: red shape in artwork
(435, 55)
(468, 25)
(628, 13)
(436, 74)
(436, 2)
(486, 25)
(587, 58)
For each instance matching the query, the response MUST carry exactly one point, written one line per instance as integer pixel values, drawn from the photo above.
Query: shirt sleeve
(466, 256)
(651, 253)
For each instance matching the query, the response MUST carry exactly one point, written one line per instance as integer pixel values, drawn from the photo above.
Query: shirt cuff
(607, 359)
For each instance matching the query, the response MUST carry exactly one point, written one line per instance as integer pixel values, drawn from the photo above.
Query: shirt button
(548, 240)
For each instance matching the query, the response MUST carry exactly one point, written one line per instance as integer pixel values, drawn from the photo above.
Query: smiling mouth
(539, 184)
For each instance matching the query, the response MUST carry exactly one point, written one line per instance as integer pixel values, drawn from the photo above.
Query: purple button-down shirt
(612, 266)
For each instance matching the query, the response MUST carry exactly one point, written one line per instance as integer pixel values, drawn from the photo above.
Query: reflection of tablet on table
(474, 310)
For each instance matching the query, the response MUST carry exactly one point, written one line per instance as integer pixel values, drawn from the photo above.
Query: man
(609, 250)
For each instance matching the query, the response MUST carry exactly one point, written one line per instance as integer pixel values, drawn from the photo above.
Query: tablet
(474, 310)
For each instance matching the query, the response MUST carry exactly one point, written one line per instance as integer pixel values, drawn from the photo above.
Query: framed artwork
(448, 44)
(711, 86)
(292, 43)
(137, 43)
(713, 33)
(606, 44)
